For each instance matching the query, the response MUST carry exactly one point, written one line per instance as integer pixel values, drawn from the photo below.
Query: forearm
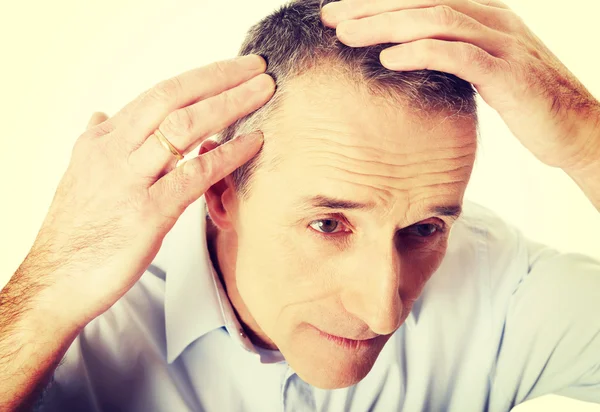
(33, 338)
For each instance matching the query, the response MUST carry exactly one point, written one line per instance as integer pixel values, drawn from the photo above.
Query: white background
(64, 59)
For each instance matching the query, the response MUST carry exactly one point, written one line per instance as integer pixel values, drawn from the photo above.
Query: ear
(221, 197)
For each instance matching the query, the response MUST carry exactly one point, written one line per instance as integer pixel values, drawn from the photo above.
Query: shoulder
(519, 267)
(543, 307)
(551, 336)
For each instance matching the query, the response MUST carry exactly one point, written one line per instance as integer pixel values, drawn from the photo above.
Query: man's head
(334, 228)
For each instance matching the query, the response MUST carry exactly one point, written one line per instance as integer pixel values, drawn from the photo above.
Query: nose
(373, 293)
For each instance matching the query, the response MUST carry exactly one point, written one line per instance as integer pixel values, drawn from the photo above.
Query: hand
(122, 191)
(487, 44)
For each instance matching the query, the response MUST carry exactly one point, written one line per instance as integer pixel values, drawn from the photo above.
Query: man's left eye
(424, 229)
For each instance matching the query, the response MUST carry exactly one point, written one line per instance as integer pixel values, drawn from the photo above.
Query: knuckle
(178, 186)
(386, 19)
(193, 172)
(227, 102)
(173, 189)
(444, 15)
(101, 129)
(166, 90)
(179, 123)
(507, 45)
(480, 58)
(512, 21)
(197, 168)
(219, 69)
(429, 47)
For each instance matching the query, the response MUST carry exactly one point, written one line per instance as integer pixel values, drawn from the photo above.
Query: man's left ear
(221, 197)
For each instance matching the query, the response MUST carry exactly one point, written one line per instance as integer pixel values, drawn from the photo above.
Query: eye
(424, 229)
(327, 225)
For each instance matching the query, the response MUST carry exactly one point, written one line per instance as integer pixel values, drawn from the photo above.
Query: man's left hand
(485, 43)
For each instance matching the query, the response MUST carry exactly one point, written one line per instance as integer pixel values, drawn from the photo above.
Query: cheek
(277, 278)
(420, 266)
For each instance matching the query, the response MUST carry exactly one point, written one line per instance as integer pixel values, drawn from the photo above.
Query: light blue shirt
(503, 320)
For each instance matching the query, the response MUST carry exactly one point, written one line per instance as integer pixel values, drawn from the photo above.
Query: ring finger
(187, 127)
(139, 118)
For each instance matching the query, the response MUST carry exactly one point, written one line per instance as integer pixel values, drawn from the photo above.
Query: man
(335, 270)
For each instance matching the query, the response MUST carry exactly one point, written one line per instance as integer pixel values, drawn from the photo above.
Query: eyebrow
(325, 202)
(452, 212)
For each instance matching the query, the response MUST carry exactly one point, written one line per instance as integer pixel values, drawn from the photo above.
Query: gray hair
(293, 41)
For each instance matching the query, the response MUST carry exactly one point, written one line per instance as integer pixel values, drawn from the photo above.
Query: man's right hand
(119, 197)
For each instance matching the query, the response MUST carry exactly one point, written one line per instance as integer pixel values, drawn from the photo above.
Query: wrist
(588, 154)
(586, 172)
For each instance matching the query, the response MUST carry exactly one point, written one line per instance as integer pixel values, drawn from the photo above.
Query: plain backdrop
(65, 59)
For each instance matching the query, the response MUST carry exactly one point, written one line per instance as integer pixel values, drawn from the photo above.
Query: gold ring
(167, 145)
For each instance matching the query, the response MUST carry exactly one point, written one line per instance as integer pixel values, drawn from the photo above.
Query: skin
(285, 277)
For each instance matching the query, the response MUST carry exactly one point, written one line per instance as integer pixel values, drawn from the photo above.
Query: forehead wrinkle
(410, 188)
(362, 153)
(407, 189)
(392, 173)
(436, 165)
(437, 192)
(384, 192)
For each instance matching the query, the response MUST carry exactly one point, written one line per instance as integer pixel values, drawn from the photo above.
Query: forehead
(318, 108)
(333, 135)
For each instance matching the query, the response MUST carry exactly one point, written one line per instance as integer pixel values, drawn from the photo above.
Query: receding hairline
(329, 71)
(294, 42)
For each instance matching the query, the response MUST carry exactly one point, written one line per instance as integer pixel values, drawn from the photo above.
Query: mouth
(347, 343)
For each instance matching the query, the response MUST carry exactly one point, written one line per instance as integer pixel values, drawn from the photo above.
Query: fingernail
(260, 83)
(253, 61)
(393, 57)
(331, 11)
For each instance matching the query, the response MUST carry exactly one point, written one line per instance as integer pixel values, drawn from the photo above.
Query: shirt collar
(195, 301)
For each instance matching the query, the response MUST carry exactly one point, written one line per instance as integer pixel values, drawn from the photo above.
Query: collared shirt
(503, 320)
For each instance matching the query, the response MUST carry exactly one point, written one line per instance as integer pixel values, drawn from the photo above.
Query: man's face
(344, 224)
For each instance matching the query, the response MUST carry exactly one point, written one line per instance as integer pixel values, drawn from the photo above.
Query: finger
(96, 119)
(414, 24)
(142, 116)
(464, 60)
(493, 3)
(334, 13)
(175, 191)
(186, 128)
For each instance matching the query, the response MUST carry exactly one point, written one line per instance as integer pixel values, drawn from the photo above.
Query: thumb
(96, 119)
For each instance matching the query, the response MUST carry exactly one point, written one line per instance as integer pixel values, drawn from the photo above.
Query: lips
(347, 343)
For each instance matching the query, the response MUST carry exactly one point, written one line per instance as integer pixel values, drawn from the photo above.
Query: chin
(325, 366)
(328, 379)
